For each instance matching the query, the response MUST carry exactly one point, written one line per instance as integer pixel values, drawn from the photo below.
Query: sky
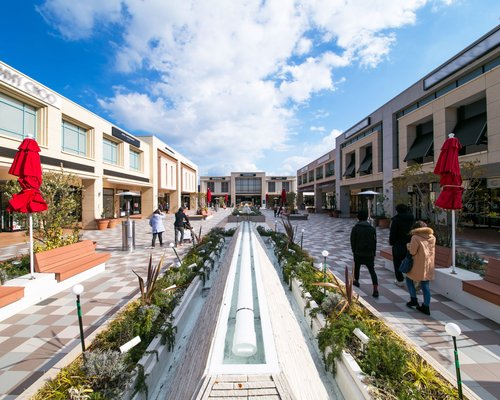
(237, 85)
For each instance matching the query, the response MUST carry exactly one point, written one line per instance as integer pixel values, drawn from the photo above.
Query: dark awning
(366, 165)
(420, 147)
(470, 131)
(350, 168)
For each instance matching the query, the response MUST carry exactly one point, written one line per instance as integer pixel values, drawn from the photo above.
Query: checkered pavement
(35, 340)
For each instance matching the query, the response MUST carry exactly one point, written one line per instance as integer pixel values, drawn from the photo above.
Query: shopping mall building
(249, 187)
(460, 96)
(105, 158)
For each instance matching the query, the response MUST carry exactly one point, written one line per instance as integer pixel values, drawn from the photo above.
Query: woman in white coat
(157, 226)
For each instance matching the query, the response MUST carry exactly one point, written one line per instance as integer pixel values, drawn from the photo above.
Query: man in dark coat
(364, 245)
(180, 218)
(399, 236)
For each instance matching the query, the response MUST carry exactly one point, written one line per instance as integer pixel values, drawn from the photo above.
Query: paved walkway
(39, 338)
(479, 344)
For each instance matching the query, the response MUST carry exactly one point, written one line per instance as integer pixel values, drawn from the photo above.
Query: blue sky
(237, 85)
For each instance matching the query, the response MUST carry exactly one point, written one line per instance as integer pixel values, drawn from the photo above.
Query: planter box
(349, 376)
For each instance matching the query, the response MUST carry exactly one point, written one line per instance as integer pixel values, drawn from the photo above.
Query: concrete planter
(349, 376)
(243, 217)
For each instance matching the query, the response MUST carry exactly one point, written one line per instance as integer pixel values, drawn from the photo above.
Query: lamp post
(302, 238)
(77, 291)
(454, 330)
(172, 246)
(324, 253)
(237, 220)
(275, 225)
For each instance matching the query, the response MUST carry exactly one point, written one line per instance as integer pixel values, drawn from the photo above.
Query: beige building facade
(252, 187)
(462, 96)
(106, 159)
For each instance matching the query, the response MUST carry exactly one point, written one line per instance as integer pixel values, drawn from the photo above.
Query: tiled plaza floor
(35, 340)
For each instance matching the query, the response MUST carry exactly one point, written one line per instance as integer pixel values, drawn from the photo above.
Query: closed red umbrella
(283, 197)
(226, 198)
(28, 168)
(450, 180)
(209, 195)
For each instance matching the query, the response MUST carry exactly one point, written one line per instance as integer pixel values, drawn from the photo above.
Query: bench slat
(483, 289)
(45, 259)
(63, 274)
(10, 294)
(493, 271)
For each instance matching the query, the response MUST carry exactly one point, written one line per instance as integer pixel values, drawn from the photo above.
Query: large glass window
(330, 169)
(311, 176)
(319, 172)
(135, 160)
(248, 185)
(74, 138)
(224, 187)
(110, 151)
(271, 187)
(17, 119)
(211, 186)
(286, 186)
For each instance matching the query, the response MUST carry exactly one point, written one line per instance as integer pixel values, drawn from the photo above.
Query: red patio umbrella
(450, 180)
(209, 196)
(28, 168)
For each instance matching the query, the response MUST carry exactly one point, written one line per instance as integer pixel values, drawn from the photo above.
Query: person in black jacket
(399, 236)
(180, 217)
(363, 245)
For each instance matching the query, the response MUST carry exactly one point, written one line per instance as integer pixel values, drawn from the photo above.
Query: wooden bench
(70, 260)
(442, 258)
(10, 294)
(487, 288)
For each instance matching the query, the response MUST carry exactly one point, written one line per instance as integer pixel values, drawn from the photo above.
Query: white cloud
(317, 128)
(230, 75)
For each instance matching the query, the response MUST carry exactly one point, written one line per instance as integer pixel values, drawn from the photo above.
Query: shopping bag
(406, 264)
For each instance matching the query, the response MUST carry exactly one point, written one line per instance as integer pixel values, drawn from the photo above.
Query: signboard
(278, 178)
(117, 133)
(26, 85)
(248, 174)
(217, 178)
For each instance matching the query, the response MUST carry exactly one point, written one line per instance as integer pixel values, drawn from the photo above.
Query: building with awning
(460, 96)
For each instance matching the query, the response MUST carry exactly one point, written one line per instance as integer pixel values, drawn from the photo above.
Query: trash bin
(128, 235)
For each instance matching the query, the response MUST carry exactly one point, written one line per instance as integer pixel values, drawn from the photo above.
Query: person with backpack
(363, 245)
(180, 218)
(399, 236)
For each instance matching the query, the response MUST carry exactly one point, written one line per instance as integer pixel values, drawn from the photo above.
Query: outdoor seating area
(69, 260)
(487, 288)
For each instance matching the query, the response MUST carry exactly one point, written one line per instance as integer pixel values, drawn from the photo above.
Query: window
(74, 138)
(286, 186)
(299, 180)
(366, 165)
(304, 178)
(319, 172)
(110, 151)
(135, 160)
(330, 169)
(224, 187)
(271, 187)
(421, 149)
(248, 185)
(311, 176)
(211, 186)
(471, 128)
(17, 119)
(350, 171)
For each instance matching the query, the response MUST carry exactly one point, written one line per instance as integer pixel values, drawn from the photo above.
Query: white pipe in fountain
(244, 339)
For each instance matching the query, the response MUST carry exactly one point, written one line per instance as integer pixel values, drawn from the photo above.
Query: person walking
(399, 236)
(422, 247)
(180, 218)
(363, 245)
(157, 227)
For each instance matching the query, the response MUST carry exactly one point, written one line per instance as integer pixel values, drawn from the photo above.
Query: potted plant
(113, 222)
(102, 223)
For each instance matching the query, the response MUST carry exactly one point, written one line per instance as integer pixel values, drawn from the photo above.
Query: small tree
(290, 201)
(63, 194)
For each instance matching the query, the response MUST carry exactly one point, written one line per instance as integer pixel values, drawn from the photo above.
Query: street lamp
(237, 221)
(77, 291)
(172, 246)
(454, 330)
(275, 225)
(324, 253)
(302, 238)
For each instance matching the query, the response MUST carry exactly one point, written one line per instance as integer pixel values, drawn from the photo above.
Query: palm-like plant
(147, 288)
(345, 290)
